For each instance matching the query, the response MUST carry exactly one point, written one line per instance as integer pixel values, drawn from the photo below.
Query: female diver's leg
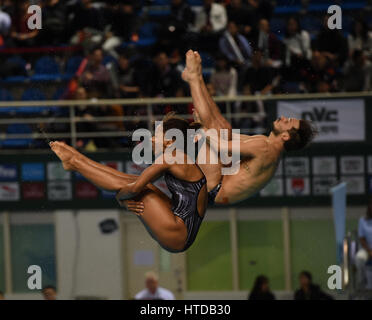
(167, 228)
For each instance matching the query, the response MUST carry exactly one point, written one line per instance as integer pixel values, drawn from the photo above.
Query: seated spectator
(124, 79)
(261, 290)
(124, 25)
(320, 71)
(259, 78)
(163, 80)
(173, 31)
(87, 21)
(332, 44)
(55, 23)
(360, 38)
(209, 23)
(95, 75)
(270, 46)
(308, 290)
(21, 35)
(297, 49)
(235, 46)
(224, 78)
(49, 293)
(153, 291)
(357, 73)
(243, 16)
(365, 252)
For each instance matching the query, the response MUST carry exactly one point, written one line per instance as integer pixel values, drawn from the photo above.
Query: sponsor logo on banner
(298, 187)
(273, 189)
(59, 190)
(117, 165)
(33, 190)
(324, 166)
(354, 184)
(33, 172)
(370, 164)
(8, 172)
(85, 190)
(9, 191)
(322, 185)
(296, 166)
(337, 120)
(56, 172)
(352, 165)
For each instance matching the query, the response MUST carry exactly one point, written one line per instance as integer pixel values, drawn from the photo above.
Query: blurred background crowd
(90, 49)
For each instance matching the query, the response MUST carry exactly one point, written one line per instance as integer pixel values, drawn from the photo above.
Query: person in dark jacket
(308, 290)
(261, 290)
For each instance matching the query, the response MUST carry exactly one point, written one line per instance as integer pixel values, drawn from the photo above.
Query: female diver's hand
(136, 207)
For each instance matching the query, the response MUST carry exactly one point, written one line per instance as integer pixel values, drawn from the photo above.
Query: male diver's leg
(167, 228)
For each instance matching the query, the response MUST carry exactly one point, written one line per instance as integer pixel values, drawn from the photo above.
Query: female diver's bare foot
(65, 155)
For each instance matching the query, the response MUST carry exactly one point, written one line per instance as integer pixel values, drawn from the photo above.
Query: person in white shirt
(153, 291)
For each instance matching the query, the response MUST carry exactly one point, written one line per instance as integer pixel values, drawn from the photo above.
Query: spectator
(308, 290)
(95, 75)
(124, 25)
(2, 296)
(209, 24)
(173, 32)
(331, 44)
(364, 254)
(259, 78)
(357, 73)
(235, 46)
(244, 17)
(320, 71)
(49, 293)
(55, 23)
(269, 44)
(360, 38)
(261, 290)
(163, 80)
(224, 78)
(153, 291)
(124, 78)
(297, 49)
(21, 35)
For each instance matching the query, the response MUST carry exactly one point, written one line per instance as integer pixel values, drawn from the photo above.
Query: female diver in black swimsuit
(173, 223)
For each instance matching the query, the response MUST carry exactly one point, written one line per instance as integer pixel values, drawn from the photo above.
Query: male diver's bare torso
(254, 173)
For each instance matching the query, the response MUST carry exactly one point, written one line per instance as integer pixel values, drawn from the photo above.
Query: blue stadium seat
(18, 61)
(73, 65)
(147, 36)
(46, 69)
(207, 60)
(17, 143)
(5, 95)
(33, 95)
(59, 111)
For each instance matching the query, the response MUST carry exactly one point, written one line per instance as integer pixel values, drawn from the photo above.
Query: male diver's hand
(136, 207)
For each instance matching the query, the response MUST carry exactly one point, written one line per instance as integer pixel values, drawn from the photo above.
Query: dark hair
(171, 121)
(307, 275)
(295, 18)
(49, 287)
(301, 137)
(260, 280)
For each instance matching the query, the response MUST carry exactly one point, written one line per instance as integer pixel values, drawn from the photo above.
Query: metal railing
(73, 120)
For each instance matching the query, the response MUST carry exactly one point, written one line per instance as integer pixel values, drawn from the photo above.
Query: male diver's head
(296, 134)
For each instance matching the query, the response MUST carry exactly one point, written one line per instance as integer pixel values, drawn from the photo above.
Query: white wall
(96, 257)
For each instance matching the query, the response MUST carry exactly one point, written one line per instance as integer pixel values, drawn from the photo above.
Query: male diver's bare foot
(73, 150)
(192, 71)
(65, 155)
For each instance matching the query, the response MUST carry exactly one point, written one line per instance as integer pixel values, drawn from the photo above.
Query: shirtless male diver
(259, 154)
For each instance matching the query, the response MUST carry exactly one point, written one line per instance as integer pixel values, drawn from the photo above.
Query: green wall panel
(209, 258)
